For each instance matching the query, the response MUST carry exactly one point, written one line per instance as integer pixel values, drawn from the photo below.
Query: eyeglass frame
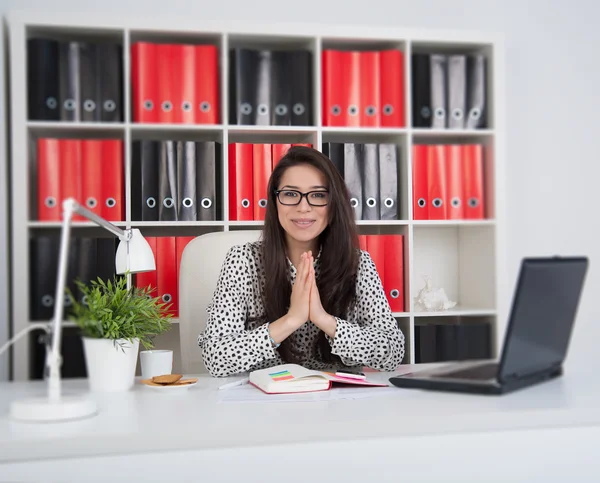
(302, 195)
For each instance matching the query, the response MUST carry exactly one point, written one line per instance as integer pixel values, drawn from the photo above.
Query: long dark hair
(339, 252)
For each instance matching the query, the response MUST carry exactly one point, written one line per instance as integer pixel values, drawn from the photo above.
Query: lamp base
(44, 410)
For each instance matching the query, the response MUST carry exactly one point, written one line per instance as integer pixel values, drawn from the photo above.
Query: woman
(333, 314)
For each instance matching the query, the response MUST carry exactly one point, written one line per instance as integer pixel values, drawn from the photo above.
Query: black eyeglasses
(294, 197)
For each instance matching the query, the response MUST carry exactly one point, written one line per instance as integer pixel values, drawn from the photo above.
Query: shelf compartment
(459, 259)
(456, 338)
(453, 60)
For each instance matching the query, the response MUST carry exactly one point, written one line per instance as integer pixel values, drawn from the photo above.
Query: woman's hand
(317, 313)
(298, 312)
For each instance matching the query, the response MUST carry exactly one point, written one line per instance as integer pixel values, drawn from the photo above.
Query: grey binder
(370, 177)
(457, 91)
(438, 91)
(263, 89)
(167, 182)
(186, 181)
(69, 87)
(388, 181)
(206, 181)
(88, 77)
(476, 92)
(352, 176)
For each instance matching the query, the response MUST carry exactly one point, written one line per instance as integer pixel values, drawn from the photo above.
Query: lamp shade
(134, 255)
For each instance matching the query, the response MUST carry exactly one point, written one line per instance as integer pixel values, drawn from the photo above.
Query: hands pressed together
(305, 302)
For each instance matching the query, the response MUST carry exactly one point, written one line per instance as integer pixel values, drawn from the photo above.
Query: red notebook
(293, 378)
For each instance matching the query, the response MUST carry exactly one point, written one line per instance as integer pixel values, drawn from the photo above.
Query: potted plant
(113, 321)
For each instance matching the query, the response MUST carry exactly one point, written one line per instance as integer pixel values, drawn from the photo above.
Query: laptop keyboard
(482, 372)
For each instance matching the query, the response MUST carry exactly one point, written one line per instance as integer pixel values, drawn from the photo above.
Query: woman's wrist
(327, 323)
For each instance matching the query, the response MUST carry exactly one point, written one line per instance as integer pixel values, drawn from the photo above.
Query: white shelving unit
(466, 257)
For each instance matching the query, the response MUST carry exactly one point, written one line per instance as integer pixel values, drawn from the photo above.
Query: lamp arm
(124, 235)
(53, 357)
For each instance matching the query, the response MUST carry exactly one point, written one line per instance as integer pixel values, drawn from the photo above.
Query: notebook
(293, 378)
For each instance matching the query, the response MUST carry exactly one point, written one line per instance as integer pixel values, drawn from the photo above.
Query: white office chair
(201, 264)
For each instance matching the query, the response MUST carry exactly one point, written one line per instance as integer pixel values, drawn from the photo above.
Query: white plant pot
(110, 366)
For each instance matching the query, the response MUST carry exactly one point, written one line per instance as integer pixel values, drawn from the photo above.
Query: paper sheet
(248, 393)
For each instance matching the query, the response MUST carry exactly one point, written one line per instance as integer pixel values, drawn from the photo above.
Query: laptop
(541, 322)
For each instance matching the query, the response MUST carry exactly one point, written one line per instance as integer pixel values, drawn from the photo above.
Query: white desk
(550, 432)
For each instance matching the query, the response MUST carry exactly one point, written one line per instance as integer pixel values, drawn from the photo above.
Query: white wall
(552, 106)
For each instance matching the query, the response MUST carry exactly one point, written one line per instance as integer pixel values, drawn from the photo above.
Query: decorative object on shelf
(432, 299)
(133, 255)
(114, 320)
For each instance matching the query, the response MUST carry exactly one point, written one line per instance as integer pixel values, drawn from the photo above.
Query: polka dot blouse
(236, 337)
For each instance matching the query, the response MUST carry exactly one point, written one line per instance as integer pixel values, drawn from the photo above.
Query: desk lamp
(133, 255)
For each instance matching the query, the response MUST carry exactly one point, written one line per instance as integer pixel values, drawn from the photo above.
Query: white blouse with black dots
(236, 337)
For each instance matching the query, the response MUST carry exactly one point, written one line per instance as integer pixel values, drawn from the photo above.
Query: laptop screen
(543, 313)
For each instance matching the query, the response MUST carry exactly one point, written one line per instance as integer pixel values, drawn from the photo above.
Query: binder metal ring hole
(166, 298)
(371, 202)
(353, 202)
(245, 203)
(186, 106)
(111, 105)
(70, 104)
(111, 202)
(91, 202)
(68, 300)
(281, 110)
(425, 112)
(148, 105)
(437, 202)
(263, 109)
(50, 202)
(262, 203)
(455, 202)
(51, 103)
(395, 293)
(336, 110)
(371, 111)
(457, 114)
(440, 113)
(352, 110)
(167, 106)
(187, 202)
(246, 108)
(299, 109)
(205, 106)
(47, 300)
(475, 113)
(168, 202)
(388, 202)
(473, 202)
(84, 300)
(388, 109)
(206, 203)
(151, 202)
(421, 202)
(89, 105)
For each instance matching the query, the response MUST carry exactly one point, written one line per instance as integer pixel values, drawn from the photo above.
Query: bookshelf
(464, 256)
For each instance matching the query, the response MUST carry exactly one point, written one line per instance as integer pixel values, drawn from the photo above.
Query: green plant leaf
(114, 312)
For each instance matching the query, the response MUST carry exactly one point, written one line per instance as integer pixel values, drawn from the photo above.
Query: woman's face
(303, 222)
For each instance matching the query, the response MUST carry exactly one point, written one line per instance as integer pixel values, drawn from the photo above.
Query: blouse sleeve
(373, 339)
(227, 347)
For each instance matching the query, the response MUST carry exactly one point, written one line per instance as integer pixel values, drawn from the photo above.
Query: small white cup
(156, 363)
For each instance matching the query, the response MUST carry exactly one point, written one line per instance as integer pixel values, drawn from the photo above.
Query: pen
(234, 383)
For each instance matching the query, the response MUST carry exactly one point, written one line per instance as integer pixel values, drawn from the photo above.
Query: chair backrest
(200, 267)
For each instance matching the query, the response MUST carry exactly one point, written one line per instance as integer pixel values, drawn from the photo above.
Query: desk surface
(143, 420)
